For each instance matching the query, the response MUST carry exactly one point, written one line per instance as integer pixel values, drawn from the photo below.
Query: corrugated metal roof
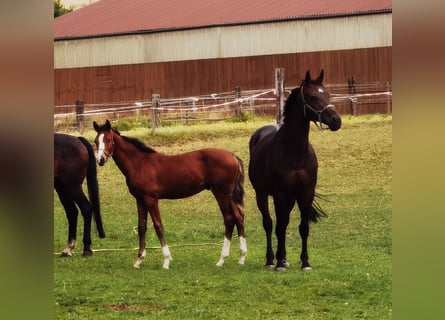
(117, 17)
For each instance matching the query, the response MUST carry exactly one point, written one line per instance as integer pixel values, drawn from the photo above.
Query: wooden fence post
(238, 104)
(352, 100)
(279, 93)
(388, 99)
(155, 104)
(79, 116)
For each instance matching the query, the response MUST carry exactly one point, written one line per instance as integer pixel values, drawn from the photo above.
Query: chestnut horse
(283, 165)
(73, 161)
(152, 175)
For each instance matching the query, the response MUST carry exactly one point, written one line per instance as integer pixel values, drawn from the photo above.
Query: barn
(115, 50)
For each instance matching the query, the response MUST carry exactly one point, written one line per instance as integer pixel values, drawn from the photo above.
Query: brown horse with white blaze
(152, 176)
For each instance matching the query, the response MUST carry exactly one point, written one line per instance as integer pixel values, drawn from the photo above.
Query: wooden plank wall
(198, 77)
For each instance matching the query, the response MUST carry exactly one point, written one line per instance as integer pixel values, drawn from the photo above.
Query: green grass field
(350, 250)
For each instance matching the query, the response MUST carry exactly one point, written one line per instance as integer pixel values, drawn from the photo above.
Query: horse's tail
(317, 211)
(238, 192)
(93, 187)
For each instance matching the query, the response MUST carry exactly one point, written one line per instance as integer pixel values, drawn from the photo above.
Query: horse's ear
(108, 125)
(320, 77)
(308, 77)
(96, 126)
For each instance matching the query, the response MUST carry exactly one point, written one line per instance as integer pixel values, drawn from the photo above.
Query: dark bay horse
(151, 176)
(73, 161)
(283, 165)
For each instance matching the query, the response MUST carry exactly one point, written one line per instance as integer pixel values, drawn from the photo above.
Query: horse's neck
(295, 133)
(125, 155)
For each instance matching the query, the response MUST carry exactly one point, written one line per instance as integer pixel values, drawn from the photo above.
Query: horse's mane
(290, 101)
(137, 143)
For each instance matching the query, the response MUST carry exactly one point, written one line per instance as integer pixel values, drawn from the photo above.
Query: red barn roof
(119, 17)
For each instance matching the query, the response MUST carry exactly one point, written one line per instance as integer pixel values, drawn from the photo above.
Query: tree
(60, 9)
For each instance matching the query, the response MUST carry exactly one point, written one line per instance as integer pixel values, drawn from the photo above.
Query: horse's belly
(181, 192)
(291, 181)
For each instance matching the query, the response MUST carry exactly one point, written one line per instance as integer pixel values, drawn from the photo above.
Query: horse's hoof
(137, 263)
(66, 254)
(308, 268)
(269, 266)
(87, 254)
(280, 269)
(283, 266)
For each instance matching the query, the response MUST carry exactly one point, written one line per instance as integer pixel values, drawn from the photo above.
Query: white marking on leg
(225, 252)
(167, 257)
(68, 252)
(242, 250)
(140, 259)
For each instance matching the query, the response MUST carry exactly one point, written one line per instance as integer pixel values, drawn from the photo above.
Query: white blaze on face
(100, 147)
(320, 90)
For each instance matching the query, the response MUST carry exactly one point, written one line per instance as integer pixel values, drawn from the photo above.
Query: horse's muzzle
(334, 123)
(101, 161)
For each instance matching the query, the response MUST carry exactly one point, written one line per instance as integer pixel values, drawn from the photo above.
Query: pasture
(350, 250)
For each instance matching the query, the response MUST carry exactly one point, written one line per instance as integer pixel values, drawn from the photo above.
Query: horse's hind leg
(304, 233)
(85, 209)
(71, 215)
(225, 205)
(263, 206)
(307, 211)
(229, 224)
(239, 222)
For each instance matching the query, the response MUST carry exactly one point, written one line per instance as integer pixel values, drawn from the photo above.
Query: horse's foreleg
(142, 229)
(283, 207)
(263, 206)
(155, 215)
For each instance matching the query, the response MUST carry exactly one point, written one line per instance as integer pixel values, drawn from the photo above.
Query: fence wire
(348, 99)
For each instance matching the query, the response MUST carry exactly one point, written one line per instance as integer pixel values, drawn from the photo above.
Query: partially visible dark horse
(152, 175)
(283, 165)
(73, 161)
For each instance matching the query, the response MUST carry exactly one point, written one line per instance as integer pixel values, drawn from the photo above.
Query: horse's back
(70, 159)
(182, 175)
(262, 133)
(260, 148)
(213, 163)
